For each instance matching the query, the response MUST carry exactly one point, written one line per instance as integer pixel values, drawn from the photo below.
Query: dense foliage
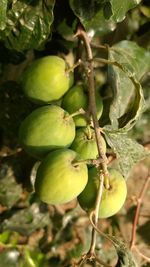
(32, 233)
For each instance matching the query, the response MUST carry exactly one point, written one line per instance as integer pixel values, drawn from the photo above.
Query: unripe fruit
(46, 79)
(60, 178)
(46, 128)
(75, 99)
(85, 143)
(112, 199)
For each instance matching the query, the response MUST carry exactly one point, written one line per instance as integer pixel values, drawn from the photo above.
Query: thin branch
(136, 217)
(142, 255)
(96, 212)
(99, 46)
(89, 257)
(98, 230)
(82, 34)
(92, 102)
(81, 261)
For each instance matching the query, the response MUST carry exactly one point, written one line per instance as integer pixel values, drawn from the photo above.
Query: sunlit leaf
(99, 16)
(10, 190)
(90, 14)
(28, 25)
(27, 220)
(128, 101)
(128, 151)
(125, 257)
(120, 8)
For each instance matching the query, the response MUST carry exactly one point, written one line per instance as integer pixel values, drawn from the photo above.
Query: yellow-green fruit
(75, 99)
(112, 199)
(45, 129)
(46, 79)
(85, 143)
(60, 178)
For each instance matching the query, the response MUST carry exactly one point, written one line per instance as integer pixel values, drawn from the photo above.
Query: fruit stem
(71, 69)
(96, 212)
(79, 162)
(89, 134)
(95, 162)
(106, 182)
(92, 101)
(79, 112)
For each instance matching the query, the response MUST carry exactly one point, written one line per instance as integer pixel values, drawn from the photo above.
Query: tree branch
(136, 217)
(104, 176)
(142, 255)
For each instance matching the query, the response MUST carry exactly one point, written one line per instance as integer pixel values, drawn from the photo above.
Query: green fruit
(75, 99)
(99, 105)
(46, 128)
(60, 178)
(112, 199)
(46, 79)
(85, 143)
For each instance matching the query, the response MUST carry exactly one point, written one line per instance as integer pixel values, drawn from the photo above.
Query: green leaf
(10, 258)
(28, 26)
(131, 63)
(120, 8)
(128, 151)
(4, 237)
(34, 259)
(125, 257)
(135, 58)
(10, 191)
(27, 220)
(3, 8)
(90, 13)
(100, 17)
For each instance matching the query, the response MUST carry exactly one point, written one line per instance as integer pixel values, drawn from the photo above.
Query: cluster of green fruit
(62, 142)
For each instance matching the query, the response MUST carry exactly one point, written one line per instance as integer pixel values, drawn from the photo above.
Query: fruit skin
(57, 180)
(85, 143)
(75, 99)
(112, 199)
(45, 129)
(46, 79)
